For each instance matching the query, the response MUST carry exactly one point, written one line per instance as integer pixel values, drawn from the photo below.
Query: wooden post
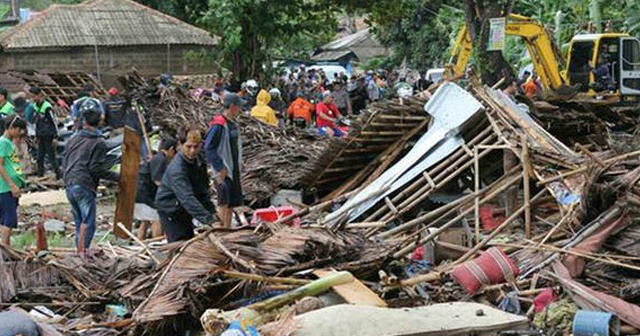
(141, 121)
(125, 200)
(476, 190)
(511, 194)
(526, 165)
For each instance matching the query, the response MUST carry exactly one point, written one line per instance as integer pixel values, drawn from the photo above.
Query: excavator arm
(547, 62)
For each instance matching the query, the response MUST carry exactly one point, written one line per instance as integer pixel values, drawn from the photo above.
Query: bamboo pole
(215, 321)
(495, 232)
(526, 175)
(476, 189)
(267, 279)
(487, 198)
(139, 242)
(584, 168)
(560, 223)
(317, 207)
(448, 162)
(443, 210)
(426, 191)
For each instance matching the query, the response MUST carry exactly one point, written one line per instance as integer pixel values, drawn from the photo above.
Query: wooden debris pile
(565, 205)
(551, 221)
(218, 268)
(377, 137)
(274, 158)
(54, 85)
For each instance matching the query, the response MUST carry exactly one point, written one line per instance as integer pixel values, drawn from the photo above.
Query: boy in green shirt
(12, 178)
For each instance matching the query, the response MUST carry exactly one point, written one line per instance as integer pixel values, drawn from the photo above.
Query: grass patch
(25, 239)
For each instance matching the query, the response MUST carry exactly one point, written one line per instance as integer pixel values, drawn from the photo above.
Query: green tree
(419, 30)
(491, 64)
(253, 31)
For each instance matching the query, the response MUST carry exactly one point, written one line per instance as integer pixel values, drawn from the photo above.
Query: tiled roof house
(106, 37)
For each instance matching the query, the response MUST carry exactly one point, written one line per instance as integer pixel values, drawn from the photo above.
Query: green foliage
(38, 5)
(420, 30)
(27, 238)
(256, 31)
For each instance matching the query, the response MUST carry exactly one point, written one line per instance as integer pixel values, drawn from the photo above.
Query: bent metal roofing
(103, 23)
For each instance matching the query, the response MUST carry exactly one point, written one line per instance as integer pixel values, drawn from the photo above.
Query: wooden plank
(390, 117)
(125, 200)
(354, 292)
(394, 125)
(383, 133)
(376, 139)
(342, 169)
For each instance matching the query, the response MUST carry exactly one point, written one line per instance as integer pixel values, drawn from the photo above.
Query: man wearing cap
(327, 115)
(223, 148)
(115, 108)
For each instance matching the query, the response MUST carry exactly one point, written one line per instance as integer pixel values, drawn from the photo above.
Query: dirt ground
(52, 206)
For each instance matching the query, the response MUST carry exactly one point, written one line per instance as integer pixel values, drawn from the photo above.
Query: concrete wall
(149, 60)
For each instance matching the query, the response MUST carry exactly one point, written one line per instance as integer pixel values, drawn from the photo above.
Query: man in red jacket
(327, 115)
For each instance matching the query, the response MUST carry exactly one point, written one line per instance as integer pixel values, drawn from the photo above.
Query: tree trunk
(491, 64)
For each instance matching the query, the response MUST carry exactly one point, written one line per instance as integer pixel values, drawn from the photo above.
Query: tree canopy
(254, 32)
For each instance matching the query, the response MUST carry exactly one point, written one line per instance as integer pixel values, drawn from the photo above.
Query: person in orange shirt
(530, 87)
(299, 111)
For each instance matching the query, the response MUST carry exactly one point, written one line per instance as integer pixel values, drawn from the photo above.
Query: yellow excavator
(554, 73)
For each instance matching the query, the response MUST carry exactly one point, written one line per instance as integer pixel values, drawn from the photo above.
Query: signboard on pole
(496, 33)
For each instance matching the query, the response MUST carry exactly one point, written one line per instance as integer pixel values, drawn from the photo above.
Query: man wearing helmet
(278, 105)
(40, 112)
(86, 96)
(84, 165)
(252, 92)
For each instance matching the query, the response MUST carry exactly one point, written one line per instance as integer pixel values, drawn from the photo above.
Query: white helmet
(404, 90)
(274, 92)
(252, 87)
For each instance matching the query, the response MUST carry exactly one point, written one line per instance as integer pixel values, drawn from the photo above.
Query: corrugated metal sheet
(347, 41)
(103, 23)
(331, 55)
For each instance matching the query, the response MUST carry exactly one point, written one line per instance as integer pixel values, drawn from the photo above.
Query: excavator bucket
(563, 92)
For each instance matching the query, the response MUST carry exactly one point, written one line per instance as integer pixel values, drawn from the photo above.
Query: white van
(435, 75)
(330, 70)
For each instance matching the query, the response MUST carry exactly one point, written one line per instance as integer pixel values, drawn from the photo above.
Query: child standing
(12, 178)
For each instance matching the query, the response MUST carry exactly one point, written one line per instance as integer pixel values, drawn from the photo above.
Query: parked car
(331, 71)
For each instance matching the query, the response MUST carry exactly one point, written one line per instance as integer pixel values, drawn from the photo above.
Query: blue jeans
(83, 209)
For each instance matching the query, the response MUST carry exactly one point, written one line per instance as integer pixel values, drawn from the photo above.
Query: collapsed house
(472, 200)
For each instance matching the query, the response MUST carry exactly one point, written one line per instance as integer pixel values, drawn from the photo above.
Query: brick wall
(149, 60)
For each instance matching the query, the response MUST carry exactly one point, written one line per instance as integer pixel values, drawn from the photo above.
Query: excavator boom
(544, 56)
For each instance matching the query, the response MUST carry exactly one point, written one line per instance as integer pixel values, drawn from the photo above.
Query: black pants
(45, 147)
(176, 226)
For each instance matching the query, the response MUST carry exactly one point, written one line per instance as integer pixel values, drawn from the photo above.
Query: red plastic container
(272, 214)
(492, 267)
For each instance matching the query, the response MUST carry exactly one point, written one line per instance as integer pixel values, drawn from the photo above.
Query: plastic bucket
(592, 323)
(272, 214)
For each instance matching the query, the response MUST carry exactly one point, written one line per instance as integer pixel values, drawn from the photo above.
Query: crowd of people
(310, 98)
(173, 186)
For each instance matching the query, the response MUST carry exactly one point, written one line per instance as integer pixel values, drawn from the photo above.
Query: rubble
(275, 158)
(421, 221)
